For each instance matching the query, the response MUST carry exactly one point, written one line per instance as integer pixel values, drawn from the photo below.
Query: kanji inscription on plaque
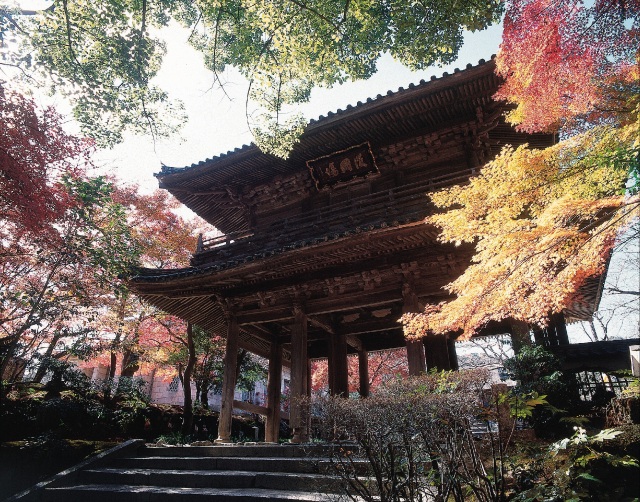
(356, 161)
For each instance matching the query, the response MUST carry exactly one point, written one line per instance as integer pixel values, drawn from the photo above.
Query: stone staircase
(222, 472)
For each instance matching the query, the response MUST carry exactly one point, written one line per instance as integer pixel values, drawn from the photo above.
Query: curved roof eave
(169, 177)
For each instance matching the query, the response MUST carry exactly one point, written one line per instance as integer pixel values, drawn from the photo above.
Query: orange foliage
(543, 222)
(167, 240)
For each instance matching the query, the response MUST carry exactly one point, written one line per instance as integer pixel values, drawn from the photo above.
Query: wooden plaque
(356, 161)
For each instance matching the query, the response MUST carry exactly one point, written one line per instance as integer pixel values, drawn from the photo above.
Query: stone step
(254, 451)
(141, 493)
(264, 464)
(212, 479)
(131, 472)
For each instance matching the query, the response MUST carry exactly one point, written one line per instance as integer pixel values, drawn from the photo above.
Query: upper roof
(214, 188)
(367, 106)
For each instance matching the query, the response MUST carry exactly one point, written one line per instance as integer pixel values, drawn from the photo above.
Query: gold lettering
(331, 170)
(345, 165)
(359, 162)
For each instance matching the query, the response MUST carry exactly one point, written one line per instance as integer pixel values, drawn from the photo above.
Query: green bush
(538, 371)
(585, 470)
(417, 442)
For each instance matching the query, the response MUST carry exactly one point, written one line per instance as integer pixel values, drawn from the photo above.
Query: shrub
(538, 371)
(585, 470)
(414, 440)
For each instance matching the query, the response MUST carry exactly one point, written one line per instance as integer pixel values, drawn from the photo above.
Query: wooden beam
(258, 333)
(355, 342)
(370, 326)
(327, 305)
(349, 301)
(252, 348)
(416, 230)
(250, 408)
(323, 322)
(262, 315)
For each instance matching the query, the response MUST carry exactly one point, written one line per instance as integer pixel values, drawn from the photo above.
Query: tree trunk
(127, 371)
(204, 393)
(242, 354)
(109, 383)
(113, 355)
(520, 335)
(113, 361)
(198, 384)
(187, 415)
(42, 369)
(129, 364)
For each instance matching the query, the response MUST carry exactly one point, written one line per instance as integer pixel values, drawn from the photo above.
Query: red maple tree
(565, 61)
(384, 365)
(35, 154)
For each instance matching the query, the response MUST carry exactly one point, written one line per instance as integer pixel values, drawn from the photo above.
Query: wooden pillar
(274, 385)
(415, 348)
(416, 357)
(363, 372)
(437, 352)
(520, 335)
(540, 336)
(554, 334)
(228, 380)
(560, 325)
(299, 375)
(453, 355)
(338, 365)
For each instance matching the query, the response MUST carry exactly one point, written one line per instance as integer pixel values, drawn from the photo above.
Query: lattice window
(175, 383)
(592, 383)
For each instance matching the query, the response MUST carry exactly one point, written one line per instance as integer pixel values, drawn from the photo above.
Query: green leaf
(588, 477)
(605, 434)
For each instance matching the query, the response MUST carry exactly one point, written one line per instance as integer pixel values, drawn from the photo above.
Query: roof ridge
(400, 90)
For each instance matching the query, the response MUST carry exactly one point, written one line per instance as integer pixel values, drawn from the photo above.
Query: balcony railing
(387, 205)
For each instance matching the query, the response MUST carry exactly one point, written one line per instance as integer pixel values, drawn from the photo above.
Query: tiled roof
(159, 275)
(321, 120)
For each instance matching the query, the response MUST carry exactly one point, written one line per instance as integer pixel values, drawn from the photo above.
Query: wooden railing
(221, 240)
(257, 410)
(399, 201)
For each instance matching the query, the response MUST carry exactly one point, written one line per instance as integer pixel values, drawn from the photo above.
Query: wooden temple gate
(324, 251)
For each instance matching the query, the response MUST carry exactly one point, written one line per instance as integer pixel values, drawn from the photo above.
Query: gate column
(415, 348)
(299, 375)
(228, 378)
(274, 385)
(363, 372)
(338, 365)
